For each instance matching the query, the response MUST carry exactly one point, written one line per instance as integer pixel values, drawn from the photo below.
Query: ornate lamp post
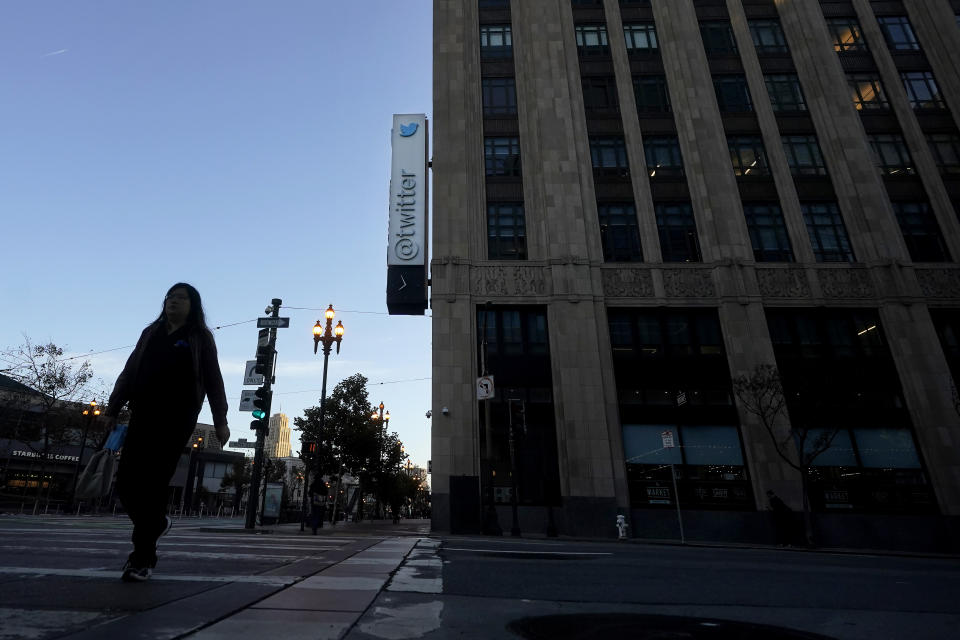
(384, 418)
(90, 412)
(309, 450)
(328, 335)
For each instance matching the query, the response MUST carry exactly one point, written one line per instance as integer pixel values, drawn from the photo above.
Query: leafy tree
(58, 383)
(760, 393)
(239, 478)
(349, 440)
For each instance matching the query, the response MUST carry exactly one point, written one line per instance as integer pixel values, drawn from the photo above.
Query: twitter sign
(407, 242)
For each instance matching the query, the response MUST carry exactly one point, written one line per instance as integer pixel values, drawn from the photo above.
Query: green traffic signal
(259, 414)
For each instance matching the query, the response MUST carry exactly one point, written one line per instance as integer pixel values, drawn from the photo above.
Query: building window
(502, 156)
(804, 156)
(839, 379)
(592, 40)
(517, 352)
(600, 95)
(678, 232)
(619, 232)
(768, 37)
(608, 155)
(846, 35)
(891, 154)
(663, 156)
(506, 231)
(496, 42)
(827, 233)
(494, 4)
(499, 96)
(718, 38)
(945, 148)
(898, 33)
(733, 95)
(657, 355)
(785, 92)
(651, 94)
(867, 92)
(641, 38)
(768, 233)
(922, 90)
(748, 156)
(921, 232)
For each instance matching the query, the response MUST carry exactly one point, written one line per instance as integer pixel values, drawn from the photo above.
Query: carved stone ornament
(627, 283)
(845, 283)
(939, 283)
(688, 283)
(783, 283)
(509, 280)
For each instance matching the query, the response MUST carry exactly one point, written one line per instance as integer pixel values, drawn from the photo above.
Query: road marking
(173, 553)
(539, 553)
(248, 537)
(279, 581)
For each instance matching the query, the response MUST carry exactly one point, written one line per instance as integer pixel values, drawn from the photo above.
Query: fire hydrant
(622, 527)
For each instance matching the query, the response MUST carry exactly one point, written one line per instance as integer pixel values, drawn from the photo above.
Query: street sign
(667, 439)
(246, 400)
(251, 378)
(263, 337)
(242, 443)
(485, 388)
(273, 323)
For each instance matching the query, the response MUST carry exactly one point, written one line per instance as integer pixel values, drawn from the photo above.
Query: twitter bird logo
(407, 130)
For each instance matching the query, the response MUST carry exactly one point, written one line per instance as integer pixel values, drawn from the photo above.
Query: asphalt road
(59, 578)
(489, 583)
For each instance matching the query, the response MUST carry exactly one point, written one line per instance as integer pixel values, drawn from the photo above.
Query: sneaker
(135, 574)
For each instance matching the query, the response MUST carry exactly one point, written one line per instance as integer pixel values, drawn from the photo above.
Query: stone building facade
(636, 202)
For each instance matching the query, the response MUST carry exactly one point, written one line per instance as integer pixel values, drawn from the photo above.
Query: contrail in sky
(54, 53)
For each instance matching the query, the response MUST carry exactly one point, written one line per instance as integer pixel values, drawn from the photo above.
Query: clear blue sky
(243, 147)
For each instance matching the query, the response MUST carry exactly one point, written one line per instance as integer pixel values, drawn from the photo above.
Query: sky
(240, 146)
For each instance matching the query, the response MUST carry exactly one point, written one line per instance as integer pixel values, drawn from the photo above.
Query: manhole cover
(597, 626)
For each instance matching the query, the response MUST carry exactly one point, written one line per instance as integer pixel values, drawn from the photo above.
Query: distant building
(635, 202)
(277, 443)
(209, 434)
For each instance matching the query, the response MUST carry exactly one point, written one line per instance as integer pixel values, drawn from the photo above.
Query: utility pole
(265, 359)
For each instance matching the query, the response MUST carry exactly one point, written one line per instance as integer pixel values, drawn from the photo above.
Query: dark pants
(149, 458)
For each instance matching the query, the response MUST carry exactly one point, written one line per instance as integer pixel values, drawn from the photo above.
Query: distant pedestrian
(318, 505)
(172, 368)
(782, 519)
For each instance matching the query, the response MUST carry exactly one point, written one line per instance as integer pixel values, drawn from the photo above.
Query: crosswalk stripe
(279, 581)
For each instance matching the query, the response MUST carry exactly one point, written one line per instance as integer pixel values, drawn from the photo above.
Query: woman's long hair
(196, 320)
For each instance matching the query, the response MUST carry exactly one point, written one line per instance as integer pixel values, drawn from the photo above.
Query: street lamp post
(90, 412)
(327, 335)
(384, 418)
(309, 450)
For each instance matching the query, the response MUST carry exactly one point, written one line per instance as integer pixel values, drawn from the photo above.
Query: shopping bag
(116, 438)
(95, 480)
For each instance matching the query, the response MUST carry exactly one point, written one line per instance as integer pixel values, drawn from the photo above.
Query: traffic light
(261, 402)
(264, 364)
(518, 415)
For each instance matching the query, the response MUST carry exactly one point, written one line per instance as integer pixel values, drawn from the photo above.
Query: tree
(239, 478)
(760, 393)
(349, 440)
(58, 383)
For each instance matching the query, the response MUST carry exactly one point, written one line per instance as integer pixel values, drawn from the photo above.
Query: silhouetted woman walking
(172, 368)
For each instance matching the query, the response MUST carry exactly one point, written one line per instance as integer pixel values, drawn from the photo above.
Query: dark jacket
(206, 373)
